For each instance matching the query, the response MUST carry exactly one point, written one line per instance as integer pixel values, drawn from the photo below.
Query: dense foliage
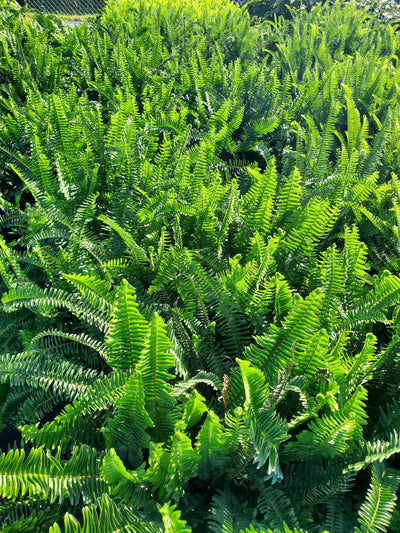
(199, 261)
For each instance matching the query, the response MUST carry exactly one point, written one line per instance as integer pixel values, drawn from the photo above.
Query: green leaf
(172, 520)
(213, 446)
(254, 385)
(127, 430)
(156, 359)
(375, 513)
(127, 331)
(183, 465)
(43, 475)
(277, 349)
(327, 436)
(195, 407)
(137, 251)
(107, 517)
(277, 509)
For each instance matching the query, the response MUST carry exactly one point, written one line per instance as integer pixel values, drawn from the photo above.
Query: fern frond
(183, 465)
(373, 307)
(327, 436)
(36, 370)
(45, 299)
(94, 290)
(277, 509)
(375, 513)
(138, 253)
(127, 430)
(213, 447)
(377, 451)
(290, 195)
(316, 222)
(277, 349)
(18, 516)
(127, 330)
(129, 485)
(333, 279)
(172, 520)
(260, 198)
(267, 430)
(227, 513)
(155, 360)
(42, 475)
(49, 340)
(68, 425)
(312, 360)
(201, 377)
(107, 517)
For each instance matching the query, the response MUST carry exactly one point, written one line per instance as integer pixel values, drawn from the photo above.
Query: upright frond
(127, 430)
(127, 331)
(155, 360)
(375, 513)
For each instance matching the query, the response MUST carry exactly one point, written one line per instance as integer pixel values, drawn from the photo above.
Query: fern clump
(199, 270)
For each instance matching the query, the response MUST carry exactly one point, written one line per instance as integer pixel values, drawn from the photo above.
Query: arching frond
(107, 517)
(43, 475)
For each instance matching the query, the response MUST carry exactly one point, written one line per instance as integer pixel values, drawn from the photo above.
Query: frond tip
(107, 517)
(375, 513)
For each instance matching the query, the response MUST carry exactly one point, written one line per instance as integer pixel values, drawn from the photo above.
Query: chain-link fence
(70, 7)
(386, 10)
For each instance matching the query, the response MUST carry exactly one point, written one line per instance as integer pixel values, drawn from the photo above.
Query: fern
(375, 513)
(45, 300)
(35, 370)
(212, 445)
(328, 436)
(279, 346)
(40, 474)
(154, 362)
(277, 509)
(199, 249)
(127, 330)
(107, 517)
(226, 514)
(172, 521)
(103, 394)
(127, 429)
